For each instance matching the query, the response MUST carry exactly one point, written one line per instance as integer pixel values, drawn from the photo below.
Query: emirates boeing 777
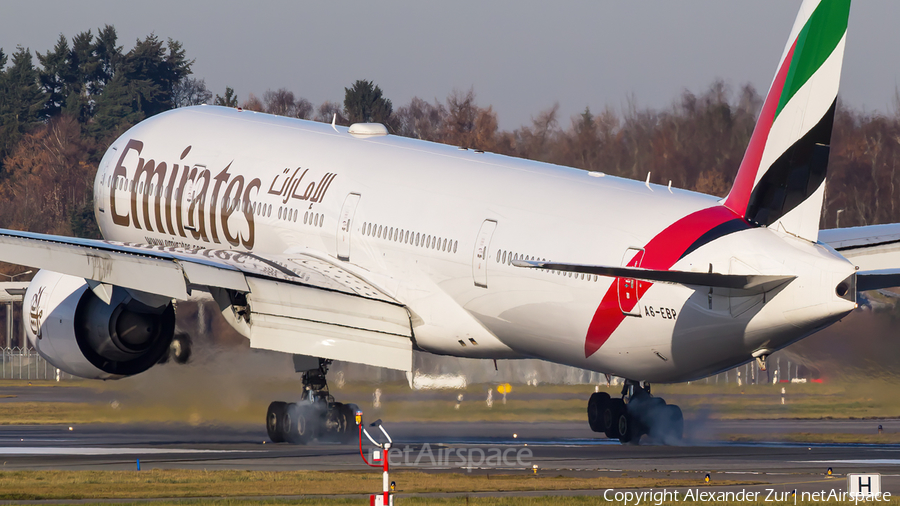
(333, 243)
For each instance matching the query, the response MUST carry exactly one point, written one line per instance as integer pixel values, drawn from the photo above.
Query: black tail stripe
(794, 176)
(721, 230)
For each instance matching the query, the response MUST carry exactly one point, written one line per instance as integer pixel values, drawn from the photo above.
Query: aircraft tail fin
(781, 180)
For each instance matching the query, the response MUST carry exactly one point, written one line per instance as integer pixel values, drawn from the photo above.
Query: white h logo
(864, 485)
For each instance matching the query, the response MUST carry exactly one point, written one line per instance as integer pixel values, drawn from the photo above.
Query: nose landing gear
(636, 413)
(315, 416)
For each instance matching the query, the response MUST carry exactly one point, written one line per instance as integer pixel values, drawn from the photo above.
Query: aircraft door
(482, 252)
(628, 288)
(345, 226)
(186, 198)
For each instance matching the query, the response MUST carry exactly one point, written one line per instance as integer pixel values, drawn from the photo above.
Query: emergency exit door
(482, 252)
(629, 288)
(345, 226)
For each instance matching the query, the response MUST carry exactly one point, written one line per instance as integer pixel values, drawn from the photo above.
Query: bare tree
(303, 108)
(467, 125)
(537, 141)
(328, 110)
(421, 120)
(49, 177)
(189, 91)
(280, 102)
(253, 104)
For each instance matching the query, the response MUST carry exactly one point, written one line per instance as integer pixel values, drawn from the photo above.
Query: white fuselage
(423, 212)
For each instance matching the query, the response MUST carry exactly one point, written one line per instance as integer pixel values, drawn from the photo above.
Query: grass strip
(457, 501)
(178, 483)
(816, 438)
(850, 399)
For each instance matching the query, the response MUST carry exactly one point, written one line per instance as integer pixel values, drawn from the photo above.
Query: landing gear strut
(316, 416)
(636, 413)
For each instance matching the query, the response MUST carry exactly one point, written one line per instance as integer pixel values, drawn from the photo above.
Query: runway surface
(567, 448)
(558, 448)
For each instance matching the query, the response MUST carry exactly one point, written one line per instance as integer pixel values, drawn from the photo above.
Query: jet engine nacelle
(76, 331)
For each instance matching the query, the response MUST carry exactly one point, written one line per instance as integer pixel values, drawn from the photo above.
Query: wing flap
(205, 275)
(335, 325)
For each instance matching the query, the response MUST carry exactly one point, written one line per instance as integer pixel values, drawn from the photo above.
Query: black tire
(289, 423)
(349, 430)
(596, 405)
(299, 424)
(613, 407)
(622, 422)
(274, 416)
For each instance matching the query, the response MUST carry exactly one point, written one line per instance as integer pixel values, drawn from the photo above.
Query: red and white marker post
(379, 459)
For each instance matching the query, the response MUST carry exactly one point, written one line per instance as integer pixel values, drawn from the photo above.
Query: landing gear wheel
(611, 417)
(622, 429)
(608, 419)
(350, 429)
(274, 416)
(639, 413)
(299, 424)
(316, 415)
(596, 407)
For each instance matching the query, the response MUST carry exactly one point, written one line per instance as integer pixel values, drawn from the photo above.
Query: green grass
(47, 383)
(865, 398)
(182, 483)
(449, 501)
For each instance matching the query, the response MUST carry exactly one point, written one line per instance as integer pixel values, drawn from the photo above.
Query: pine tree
(141, 86)
(364, 103)
(117, 109)
(229, 100)
(21, 100)
(56, 76)
(107, 56)
(152, 73)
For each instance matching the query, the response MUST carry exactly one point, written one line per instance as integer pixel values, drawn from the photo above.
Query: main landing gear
(634, 414)
(316, 416)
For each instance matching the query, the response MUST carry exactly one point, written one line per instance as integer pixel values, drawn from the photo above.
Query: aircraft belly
(535, 317)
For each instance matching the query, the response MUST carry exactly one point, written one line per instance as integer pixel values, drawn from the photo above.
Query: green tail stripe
(815, 43)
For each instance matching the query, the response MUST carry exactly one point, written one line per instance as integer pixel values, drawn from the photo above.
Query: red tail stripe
(660, 253)
(739, 196)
